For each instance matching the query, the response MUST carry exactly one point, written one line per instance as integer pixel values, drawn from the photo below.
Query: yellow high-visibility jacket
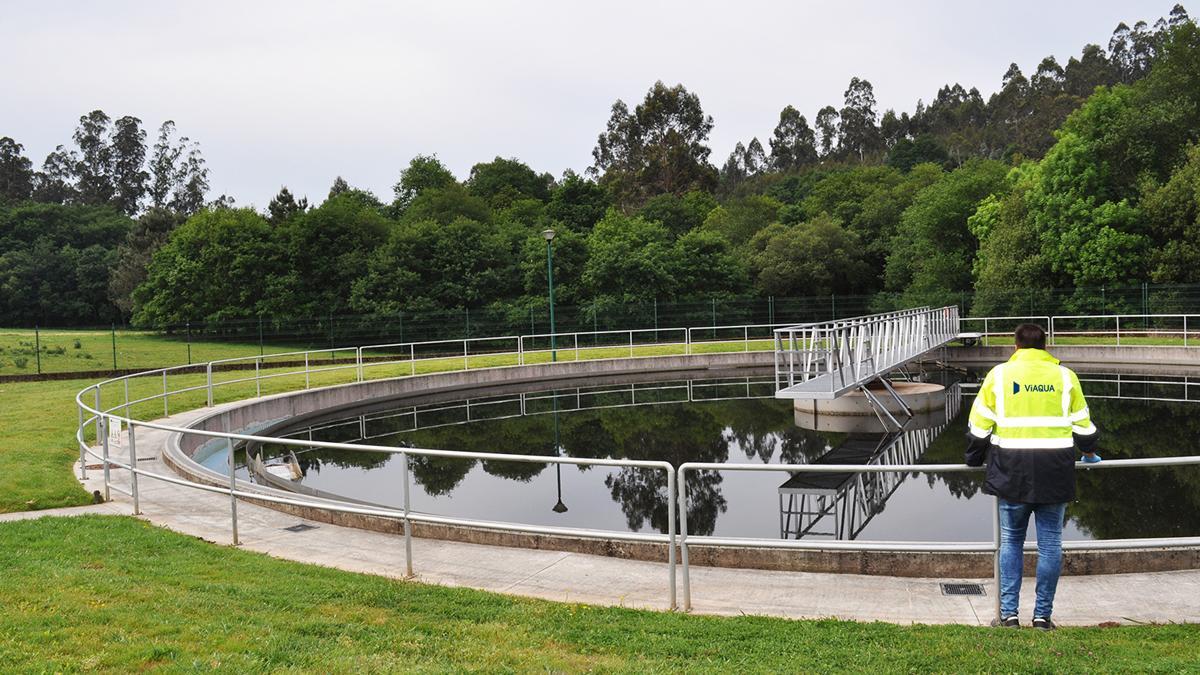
(1027, 419)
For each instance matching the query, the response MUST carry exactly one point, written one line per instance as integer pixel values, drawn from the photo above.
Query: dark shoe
(1006, 622)
(1043, 623)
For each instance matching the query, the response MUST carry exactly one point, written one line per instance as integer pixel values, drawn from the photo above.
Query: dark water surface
(736, 420)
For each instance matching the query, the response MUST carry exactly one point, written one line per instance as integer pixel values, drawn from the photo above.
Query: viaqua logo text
(1039, 388)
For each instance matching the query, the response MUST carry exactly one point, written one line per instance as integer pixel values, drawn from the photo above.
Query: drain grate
(962, 589)
(302, 527)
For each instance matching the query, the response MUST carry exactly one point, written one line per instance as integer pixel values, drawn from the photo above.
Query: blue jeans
(1014, 521)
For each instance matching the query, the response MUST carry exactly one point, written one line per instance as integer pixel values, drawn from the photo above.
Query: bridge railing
(847, 353)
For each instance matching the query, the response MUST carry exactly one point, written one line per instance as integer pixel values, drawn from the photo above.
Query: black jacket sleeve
(977, 449)
(1087, 443)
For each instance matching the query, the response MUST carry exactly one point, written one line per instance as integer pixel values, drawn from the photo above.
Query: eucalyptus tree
(16, 172)
(660, 146)
(793, 144)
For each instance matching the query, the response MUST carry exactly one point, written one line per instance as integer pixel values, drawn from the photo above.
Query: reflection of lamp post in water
(559, 507)
(549, 235)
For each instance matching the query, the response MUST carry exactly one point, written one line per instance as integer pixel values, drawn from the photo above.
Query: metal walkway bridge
(827, 359)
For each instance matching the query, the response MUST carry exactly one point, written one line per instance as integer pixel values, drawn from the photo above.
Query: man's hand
(1090, 458)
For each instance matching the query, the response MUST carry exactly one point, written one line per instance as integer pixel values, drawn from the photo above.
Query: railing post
(687, 340)
(1185, 330)
(82, 445)
(97, 409)
(408, 566)
(208, 369)
(306, 381)
(681, 488)
(520, 350)
(631, 344)
(466, 361)
(133, 469)
(166, 407)
(257, 381)
(576, 336)
(233, 516)
(671, 497)
(1118, 317)
(412, 358)
(358, 353)
(746, 334)
(126, 382)
(104, 454)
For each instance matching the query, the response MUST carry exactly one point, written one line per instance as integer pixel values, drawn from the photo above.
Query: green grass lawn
(115, 594)
(135, 349)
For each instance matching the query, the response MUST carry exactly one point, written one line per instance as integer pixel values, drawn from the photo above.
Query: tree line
(1080, 175)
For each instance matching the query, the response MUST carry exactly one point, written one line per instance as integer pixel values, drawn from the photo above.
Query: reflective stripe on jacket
(1032, 413)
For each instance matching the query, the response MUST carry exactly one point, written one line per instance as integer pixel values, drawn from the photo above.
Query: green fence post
(37, 348)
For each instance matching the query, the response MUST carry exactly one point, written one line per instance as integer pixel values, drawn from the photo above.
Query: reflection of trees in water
(439, 475)
(675, 434)
(761, 427)
(313, 460)
(1145, 502)
(948, 448)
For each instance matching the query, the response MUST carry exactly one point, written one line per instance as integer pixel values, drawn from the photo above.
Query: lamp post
(549, 236)
(559, 507)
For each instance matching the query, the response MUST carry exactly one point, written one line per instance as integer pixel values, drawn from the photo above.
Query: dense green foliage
(1083, 176)
(55, 261)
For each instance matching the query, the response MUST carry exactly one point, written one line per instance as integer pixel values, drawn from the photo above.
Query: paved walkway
(553, 575)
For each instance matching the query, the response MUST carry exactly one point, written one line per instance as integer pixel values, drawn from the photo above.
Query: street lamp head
(560, 507)
(548, 234)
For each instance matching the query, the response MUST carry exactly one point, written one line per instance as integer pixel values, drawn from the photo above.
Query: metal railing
(992, 547)
(826, 359)
(91, 411)
(1142, 329)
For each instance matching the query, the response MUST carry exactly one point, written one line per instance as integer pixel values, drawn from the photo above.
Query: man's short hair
(1030, 336)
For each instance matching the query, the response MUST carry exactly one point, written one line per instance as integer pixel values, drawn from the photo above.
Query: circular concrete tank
(853, 412)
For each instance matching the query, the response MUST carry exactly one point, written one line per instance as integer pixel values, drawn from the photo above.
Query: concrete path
(572, 577)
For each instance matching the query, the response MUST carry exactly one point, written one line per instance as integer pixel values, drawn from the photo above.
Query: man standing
(1026, 421)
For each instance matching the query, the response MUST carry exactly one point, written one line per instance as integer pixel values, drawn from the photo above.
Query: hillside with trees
(1081, 175)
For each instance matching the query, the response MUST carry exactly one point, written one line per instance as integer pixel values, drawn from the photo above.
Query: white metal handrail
(826, 359)
(902, 547)
(93, 413)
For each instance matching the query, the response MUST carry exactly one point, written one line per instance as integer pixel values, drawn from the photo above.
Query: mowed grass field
(114, 594)
(70, 351)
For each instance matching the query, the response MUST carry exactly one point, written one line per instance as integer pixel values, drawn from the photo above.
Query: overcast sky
(296, 93)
